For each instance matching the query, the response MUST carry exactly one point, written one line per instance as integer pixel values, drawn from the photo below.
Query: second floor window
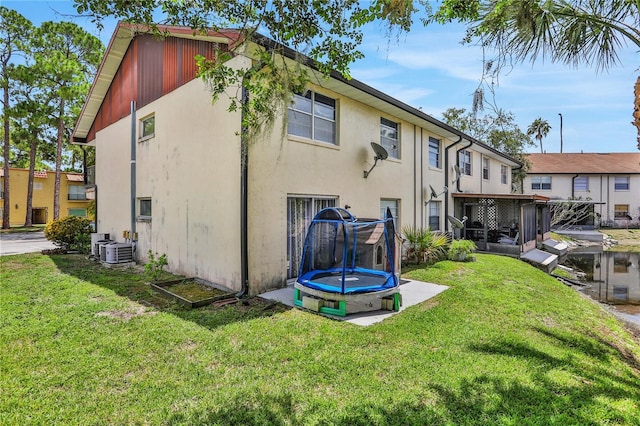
(541, 182)
(147, 127)
(485, 168)
(77, 192)
(313, 116)
(434, 152)
(389, 138)
(621, 183)
(581, 183)
(503, 174)
(465, 162)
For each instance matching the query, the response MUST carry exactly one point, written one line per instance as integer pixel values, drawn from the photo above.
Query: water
(612, 278)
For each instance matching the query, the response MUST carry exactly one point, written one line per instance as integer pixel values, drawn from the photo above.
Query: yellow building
(73, 201)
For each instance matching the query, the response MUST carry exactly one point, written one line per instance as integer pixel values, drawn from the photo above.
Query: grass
(628, 239)
(506, 344)
(20, 229)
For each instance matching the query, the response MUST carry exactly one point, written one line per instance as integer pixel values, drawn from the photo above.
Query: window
(621, 211)
(581, 183)
(313, 116)
(621, 183)
(77, 192)
(465, 162)
(78, 212)
(434, 215)
(541, 182)
(393, 205)
(504, 177)
(144, 208)
(37, 186)
(389, 136)
(434, 152)
(485, 168)
(147, 127)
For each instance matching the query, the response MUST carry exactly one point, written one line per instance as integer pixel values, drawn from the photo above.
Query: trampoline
(345, 259)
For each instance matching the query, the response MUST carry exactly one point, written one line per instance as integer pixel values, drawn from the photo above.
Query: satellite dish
(381, 154)
(434, 194)
(457, 223)
(456, 169)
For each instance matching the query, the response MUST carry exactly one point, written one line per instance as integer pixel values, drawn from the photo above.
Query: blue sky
(428, 68)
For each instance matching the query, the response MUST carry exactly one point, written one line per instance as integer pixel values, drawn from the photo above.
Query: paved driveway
(23, 242)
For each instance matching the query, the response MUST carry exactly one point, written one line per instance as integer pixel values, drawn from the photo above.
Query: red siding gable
(150, 68)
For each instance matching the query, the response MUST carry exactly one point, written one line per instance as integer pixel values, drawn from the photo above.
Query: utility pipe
(133, 176)
(244, 188)
(446, 179)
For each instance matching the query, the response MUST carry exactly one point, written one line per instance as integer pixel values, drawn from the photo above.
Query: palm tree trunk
(6, 208)
(636, 108)
(56, 191)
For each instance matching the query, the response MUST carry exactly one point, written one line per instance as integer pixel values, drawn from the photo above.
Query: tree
(67, 58)
(539, 129)
(328, 32)
(575, 32)
(14, 30)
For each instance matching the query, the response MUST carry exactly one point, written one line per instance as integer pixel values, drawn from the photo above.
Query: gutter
(446, 179)
(244, 188)
(458, 164)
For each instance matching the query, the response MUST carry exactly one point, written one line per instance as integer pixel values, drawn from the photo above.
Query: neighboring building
(610, 181)
(242, 224)
(73, 201)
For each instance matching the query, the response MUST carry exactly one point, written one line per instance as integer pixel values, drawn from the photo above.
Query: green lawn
(506, 344)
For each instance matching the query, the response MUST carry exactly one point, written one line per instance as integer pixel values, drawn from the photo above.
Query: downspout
(446, 180)
(458, 163)
(244, 188)
(133, 178)
(573, 183)
(415, 151)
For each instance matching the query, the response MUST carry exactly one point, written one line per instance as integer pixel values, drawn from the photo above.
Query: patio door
(300, 212)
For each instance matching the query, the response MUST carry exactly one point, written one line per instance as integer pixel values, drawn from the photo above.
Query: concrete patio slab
(412, 292)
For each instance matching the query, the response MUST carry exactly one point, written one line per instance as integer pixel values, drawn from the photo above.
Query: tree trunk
(56, 192)
(28, 220)
(6, 208)
(636, 108)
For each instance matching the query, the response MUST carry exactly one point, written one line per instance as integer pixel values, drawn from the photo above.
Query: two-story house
(170, 164)
(73, 200)
(609, 182)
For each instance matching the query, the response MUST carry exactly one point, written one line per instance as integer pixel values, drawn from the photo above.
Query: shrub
(154, 268)
(424, 246)
(70, 232)
(461, 249)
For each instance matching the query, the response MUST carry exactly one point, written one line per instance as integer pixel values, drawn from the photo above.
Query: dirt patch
(126, 315)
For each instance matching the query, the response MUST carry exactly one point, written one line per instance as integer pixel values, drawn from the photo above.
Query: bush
(424, 246)
(155, 267)
(71, 232)
(460, 250)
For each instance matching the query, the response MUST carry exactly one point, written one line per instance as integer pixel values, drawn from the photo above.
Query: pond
(611, 277)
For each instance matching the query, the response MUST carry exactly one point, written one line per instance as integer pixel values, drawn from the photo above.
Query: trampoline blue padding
(357, 280)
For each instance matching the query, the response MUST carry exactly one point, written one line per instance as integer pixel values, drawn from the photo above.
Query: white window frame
(143, 213)
(434, 152)
(581, 183)
(504, 176)
(434, 207)
(486, 164)
(621, 183)
(79, 193)
(619, 213)
(314, 115)
(394, 205)
(390, 137)
(541, 183)
(465, 158)
(145, 132)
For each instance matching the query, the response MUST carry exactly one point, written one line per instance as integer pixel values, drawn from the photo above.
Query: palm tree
(574, 32)
(540, 128)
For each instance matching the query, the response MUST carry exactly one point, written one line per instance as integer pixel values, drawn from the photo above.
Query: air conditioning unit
(95, 239)
(118, 253)
(101, 249)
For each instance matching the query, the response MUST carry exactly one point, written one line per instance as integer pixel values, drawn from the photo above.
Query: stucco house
(241, 224)
(73, 200)
(610, 182)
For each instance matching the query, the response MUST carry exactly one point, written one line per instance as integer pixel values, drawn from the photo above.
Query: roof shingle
(586, 163)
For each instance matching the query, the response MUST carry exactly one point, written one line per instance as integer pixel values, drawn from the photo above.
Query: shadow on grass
(477, 401)
(132, 283)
